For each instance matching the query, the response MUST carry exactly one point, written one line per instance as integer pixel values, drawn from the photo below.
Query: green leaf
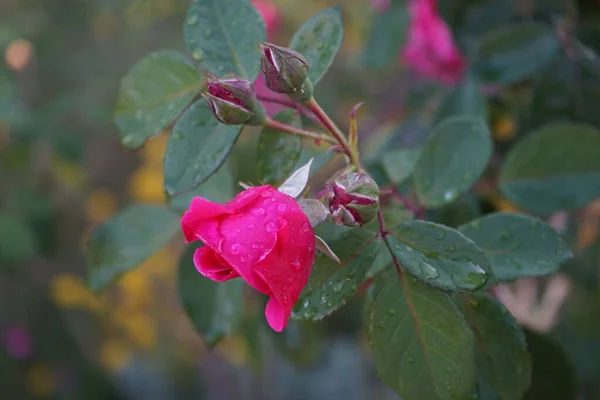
(453, 158)
(319, 40)
(126, 240)
(422, 346)
(501, 352)
(223, 35)
(465, 99)
(400, 164)
(331, 284)
(17, 242)
(513, 53)
(154, 92)
(215, 308)
(440, 256)
(278, 152)
(219, 188)
(197, 146)
(553, 168)
(553, 376)
(386, 37)
(517, 245)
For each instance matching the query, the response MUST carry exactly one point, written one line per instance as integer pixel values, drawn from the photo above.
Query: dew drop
(410, 360)
(258, 212)
(324, 298)
(236, 248)
(238, 230)
(449, 195)
(306, 227)
(177, 135)
(198, 54)
(255, 246)
(505, 236)
(250, 227)
(281, 207)
(338, 286)
(306, 304)
(192, 20)
(270, 226)
(428, 271)
(297, 264)
(266, 193)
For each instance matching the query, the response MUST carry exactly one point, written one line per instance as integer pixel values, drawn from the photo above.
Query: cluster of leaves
(434, 330)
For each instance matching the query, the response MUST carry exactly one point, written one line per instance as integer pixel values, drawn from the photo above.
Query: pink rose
(261, 235)
(270, 15)
(430, 48)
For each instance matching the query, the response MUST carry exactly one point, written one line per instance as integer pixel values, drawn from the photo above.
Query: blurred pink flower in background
(380, 5)
(272, 19)
(430, 48)
(17, 341)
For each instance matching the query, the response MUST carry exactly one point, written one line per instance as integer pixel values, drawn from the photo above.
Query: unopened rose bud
(353, 199)
(233, 102)
(285, 71)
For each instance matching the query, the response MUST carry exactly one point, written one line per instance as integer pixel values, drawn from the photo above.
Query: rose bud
(262, 236)
(353, 199)
(285, 71)
(233, 102)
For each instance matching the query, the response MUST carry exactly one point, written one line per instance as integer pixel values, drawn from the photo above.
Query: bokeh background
(63, 172)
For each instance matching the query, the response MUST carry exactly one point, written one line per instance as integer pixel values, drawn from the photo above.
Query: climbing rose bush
(261, 235)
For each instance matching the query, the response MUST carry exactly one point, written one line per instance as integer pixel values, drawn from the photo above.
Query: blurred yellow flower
(504, 128)
(154, 150)
(68, 290)
(135, 289)
(115, 354)
(145, 185)
(40, 380)
(100, 205)
(141, 330)
(234, 349)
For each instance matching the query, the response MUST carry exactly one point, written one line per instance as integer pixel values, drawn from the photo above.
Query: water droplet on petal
(250, 227)
(236, 248)
(297, 264)
(238, 230)
(255, 246)
(258, 212)
(281, 207)
(266, 193)
(270, 226)
(306, 227)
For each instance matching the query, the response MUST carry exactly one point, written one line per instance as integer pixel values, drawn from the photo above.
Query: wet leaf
(278, 152)
(222, 35)
(501, 352)
(400, 164)
(453, 158)
(423, 348)
(440, 256)
(517, 245)
(319, 40)
(126, 240)
(197, 146)
(154, 92)
(553, 168)
(214, 308)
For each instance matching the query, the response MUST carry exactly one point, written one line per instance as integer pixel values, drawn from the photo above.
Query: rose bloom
(261, 235)
(430, 48)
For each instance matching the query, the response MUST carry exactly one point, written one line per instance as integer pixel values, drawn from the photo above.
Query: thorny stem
(270, 123)
(333, 129)
(291, 104)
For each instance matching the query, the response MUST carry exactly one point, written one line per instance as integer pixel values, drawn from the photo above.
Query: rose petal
(246, 197)
(277, 315)
(200, 210)
(212, 266)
